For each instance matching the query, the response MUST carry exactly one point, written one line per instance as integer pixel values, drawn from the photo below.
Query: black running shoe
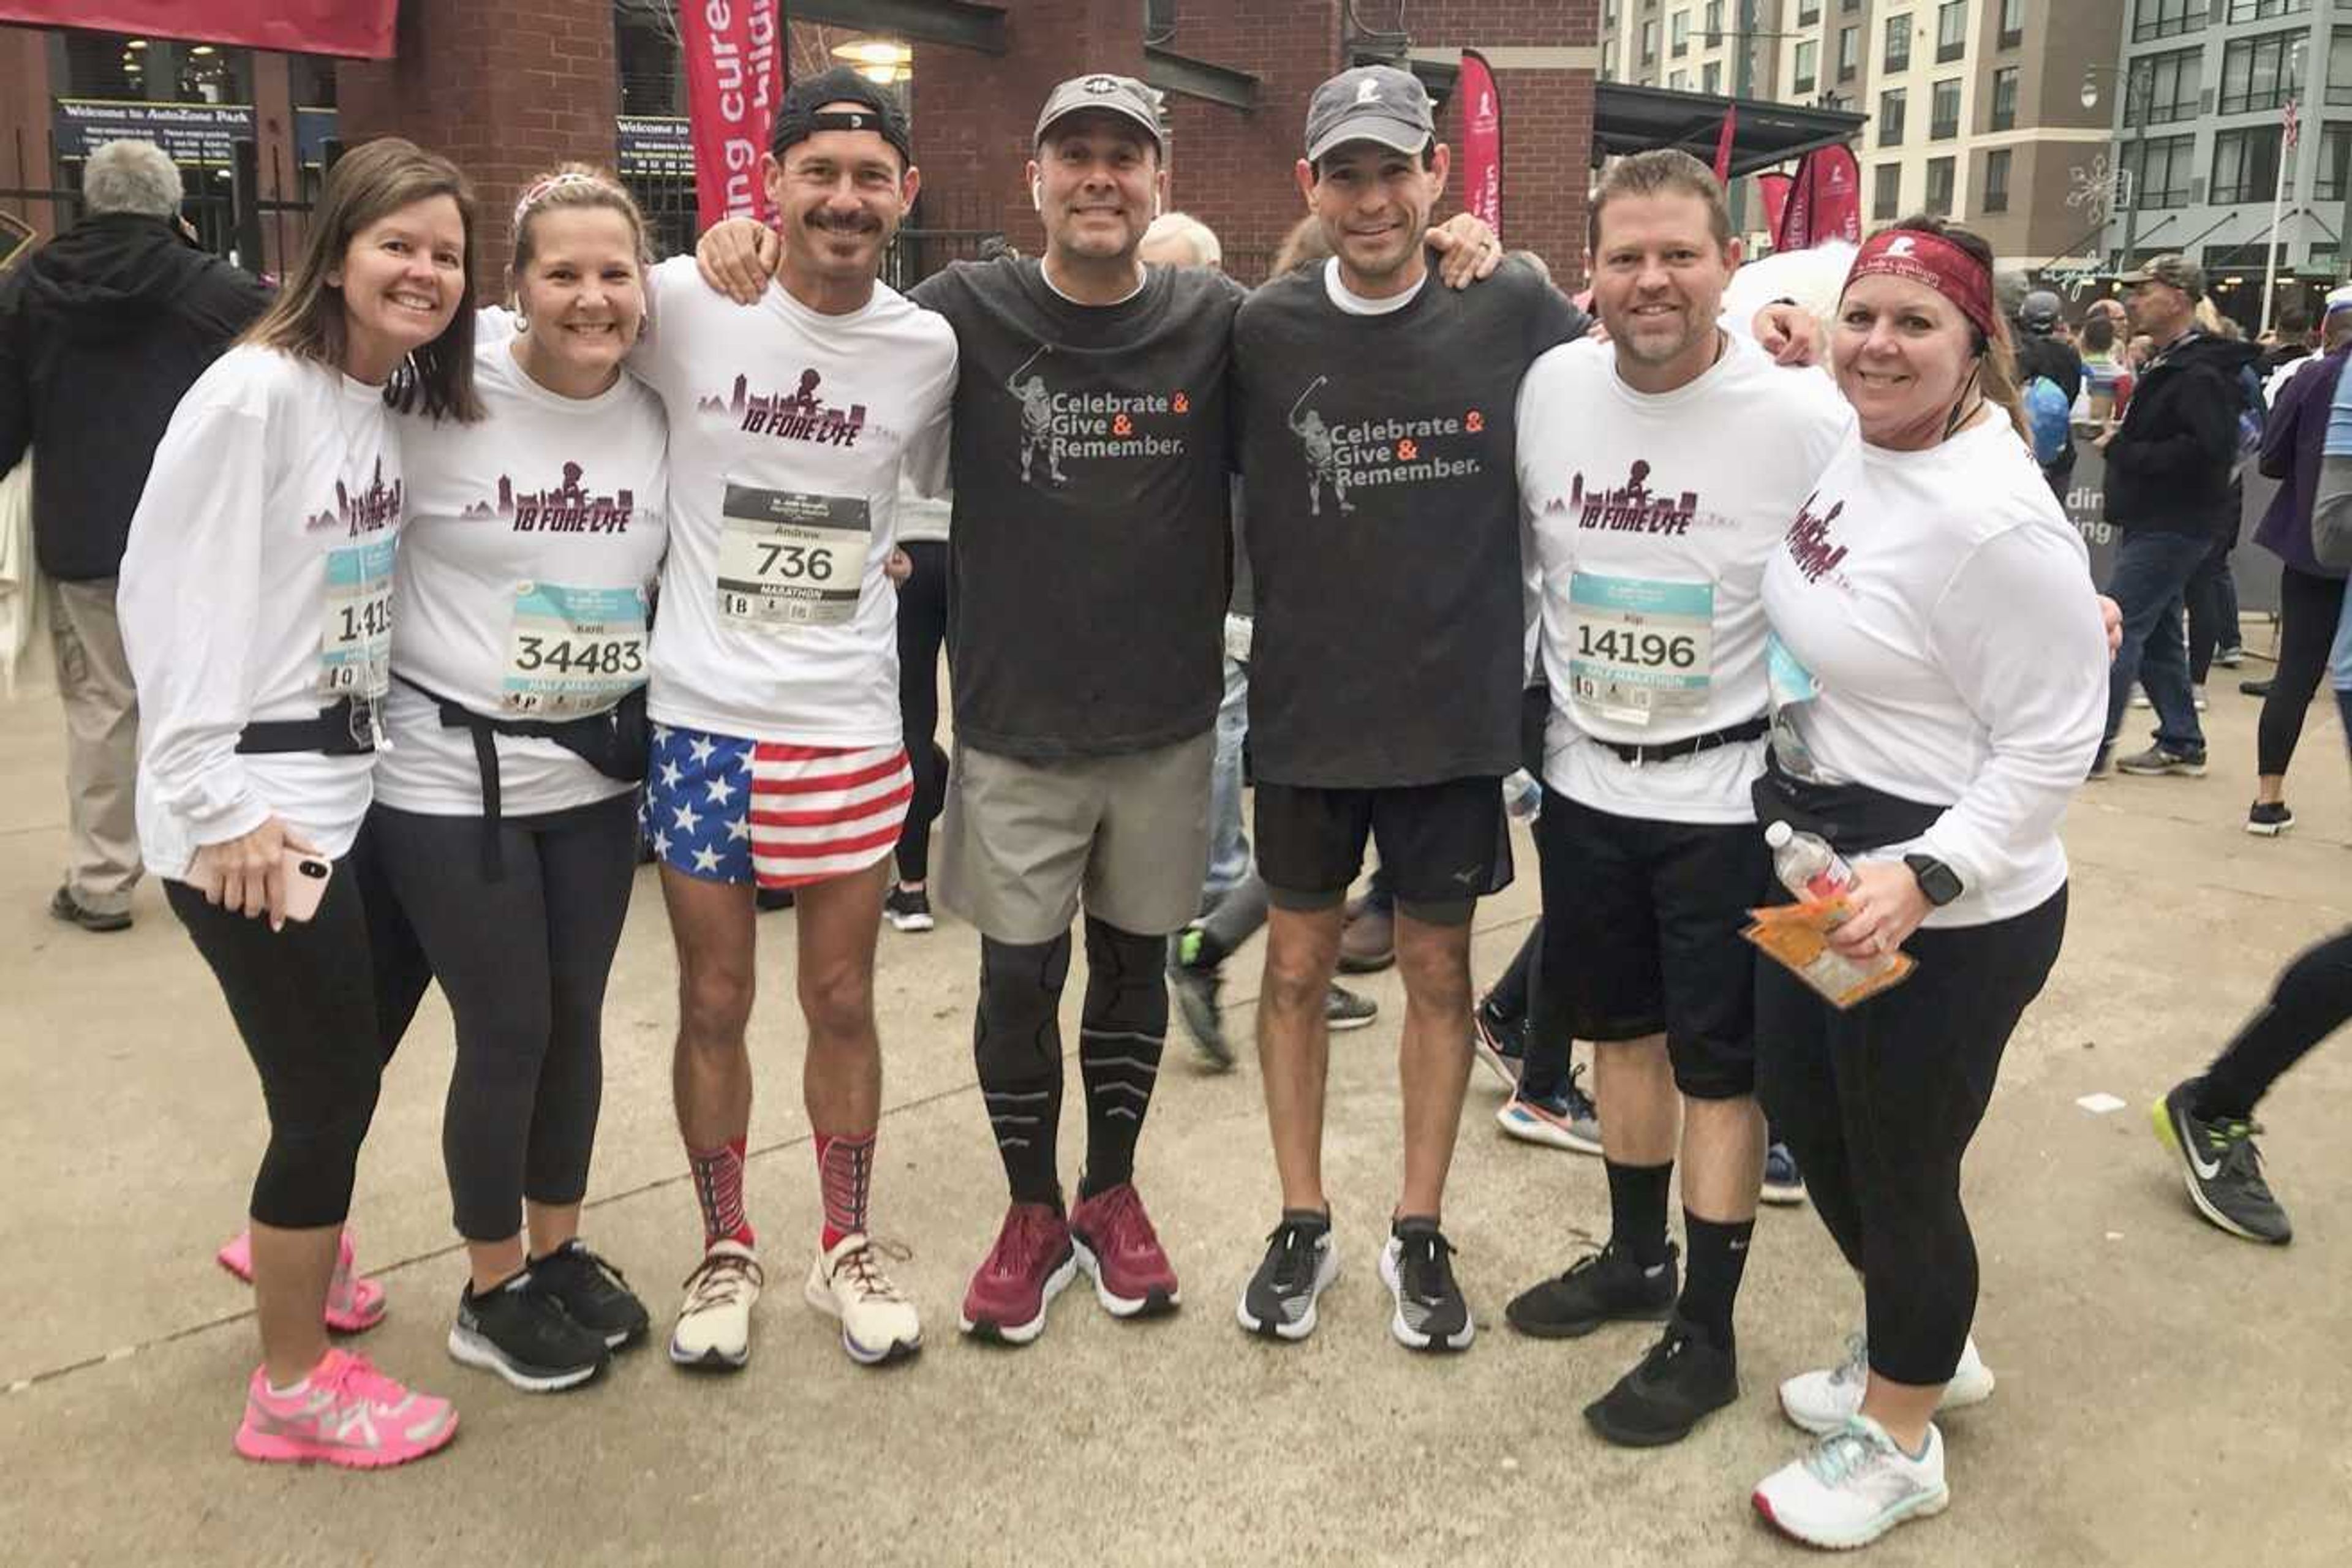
(1193, 983)
(1681, 1379)
(1603, 1286)
(1344, 1010)
(1417, 1266)
(2268, 818)
(2221, 1167)
(770, 899)
(526, 1337)
(1501, 1040)
(591, 1293)
(907, 909)
(1301, 1260)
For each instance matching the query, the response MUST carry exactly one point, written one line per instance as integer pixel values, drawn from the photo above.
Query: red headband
(1935, 261)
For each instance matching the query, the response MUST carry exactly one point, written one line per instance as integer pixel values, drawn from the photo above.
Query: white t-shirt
(257, 586)
(1939, 640)
(787, 429)
(525, 579)
(1653, 515)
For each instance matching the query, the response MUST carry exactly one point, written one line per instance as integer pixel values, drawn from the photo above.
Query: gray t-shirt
(1089, 461)
(1381, 459)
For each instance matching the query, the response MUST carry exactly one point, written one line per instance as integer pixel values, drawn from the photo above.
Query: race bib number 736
(787, 559)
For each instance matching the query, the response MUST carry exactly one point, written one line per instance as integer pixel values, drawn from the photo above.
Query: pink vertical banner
(1482, 140)
(1775, 188)
(734, 74)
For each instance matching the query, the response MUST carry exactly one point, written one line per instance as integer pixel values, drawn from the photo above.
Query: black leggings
(1878, 1105)
(2308, 609)
(523, 961)
(2312, 1000)
(923, 631)
(321, 1006)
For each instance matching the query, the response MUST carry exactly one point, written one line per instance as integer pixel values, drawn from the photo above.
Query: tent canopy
(1629, 119)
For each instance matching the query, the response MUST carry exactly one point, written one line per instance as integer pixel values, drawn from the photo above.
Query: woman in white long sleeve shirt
(255, 603)
(1939, 669)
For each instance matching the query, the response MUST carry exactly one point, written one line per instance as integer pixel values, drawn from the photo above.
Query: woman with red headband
(1939, 676)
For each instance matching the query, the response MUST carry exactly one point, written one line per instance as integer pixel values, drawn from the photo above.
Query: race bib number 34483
(573, 651)
(355, 631)
(1638, 649)
(787, 559)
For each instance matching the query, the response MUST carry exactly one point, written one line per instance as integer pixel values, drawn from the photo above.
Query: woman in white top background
(255, 605)
(1937, 679)
(506, 811)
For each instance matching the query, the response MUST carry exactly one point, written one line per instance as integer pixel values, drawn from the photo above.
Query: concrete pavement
(2166, 1392)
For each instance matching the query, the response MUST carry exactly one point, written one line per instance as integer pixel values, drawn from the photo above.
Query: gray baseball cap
(2172, 270)
(1100, 91)
(1369, 103)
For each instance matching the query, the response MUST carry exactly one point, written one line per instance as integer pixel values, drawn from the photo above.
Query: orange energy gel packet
(1796, 936)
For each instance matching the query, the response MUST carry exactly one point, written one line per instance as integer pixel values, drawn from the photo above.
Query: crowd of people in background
(415, 630)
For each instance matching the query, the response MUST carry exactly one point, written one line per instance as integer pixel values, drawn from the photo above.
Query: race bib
(1639, 650)
(791, 560)
(1791, 686)
(355, 636)
(572, 651)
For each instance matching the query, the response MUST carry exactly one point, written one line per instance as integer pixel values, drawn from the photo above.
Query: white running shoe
(1854, 1487)
(877, 1322)
(1823, 1402)
(714, 1321)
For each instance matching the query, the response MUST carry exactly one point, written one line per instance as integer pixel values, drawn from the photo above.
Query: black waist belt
(1667, 751)
(1851, 817)
(613, 742)
(345, 729)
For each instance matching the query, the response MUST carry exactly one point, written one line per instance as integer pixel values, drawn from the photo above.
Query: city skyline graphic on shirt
(797, 416)
(376, 507)
(1629, 508)
(566, 507)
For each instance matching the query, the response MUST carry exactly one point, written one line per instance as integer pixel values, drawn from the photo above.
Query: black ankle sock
(1637, 1210)
(1716, 1255)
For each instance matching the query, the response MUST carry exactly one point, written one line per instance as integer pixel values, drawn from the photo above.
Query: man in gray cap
(1379, 453)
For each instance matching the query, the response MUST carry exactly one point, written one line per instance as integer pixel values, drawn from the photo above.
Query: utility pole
(1743, 85)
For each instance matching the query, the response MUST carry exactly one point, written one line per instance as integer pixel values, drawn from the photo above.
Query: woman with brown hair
(256, 600)
(1938, 680)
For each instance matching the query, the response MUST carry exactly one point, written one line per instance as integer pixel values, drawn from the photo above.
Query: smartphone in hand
(304, 876)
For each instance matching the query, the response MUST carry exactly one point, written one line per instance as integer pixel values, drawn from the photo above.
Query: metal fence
(255, 211)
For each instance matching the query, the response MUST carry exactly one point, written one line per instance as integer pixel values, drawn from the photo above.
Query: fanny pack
(614, 742)
(1849, 817)
(345, 729)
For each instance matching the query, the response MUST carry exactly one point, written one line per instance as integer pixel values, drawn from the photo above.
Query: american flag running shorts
(724, 809)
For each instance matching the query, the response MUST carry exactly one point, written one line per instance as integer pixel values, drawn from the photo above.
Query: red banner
(1723, 146)
(1824, 201)
(734, 74)
(356, 28)
(1482, 140)
(1775, 189)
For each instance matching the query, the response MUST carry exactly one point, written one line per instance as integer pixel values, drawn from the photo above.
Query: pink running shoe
(354, 1304)
(1029, 1265)
(1117, 1246)
(345, 1412)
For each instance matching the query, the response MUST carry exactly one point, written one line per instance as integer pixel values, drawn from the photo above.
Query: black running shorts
(1443, 845)
(1651, 913)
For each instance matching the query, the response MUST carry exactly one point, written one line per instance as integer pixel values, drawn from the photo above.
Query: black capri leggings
(922, 632)
(523, 961)
(1878, 1105)
(321, 1007)
(2308, 608)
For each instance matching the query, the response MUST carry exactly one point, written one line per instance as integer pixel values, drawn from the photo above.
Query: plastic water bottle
(1806, 865)
(1522, 795)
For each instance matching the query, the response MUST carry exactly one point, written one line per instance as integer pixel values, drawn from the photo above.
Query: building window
(1808, 53)
(1650, 41)
(2262, 10)
(1711, 79)
(1940, 186)
(1952, 30)
(2160, 169)
(1899, 43)
(2166, 84)
(1849, 52)
(1678, 33)
(2004, 97)
(2245, 165)
(1995, 181)
(1714, 23)
(2254, 72)
(1944, 110)
(1887, 197)
(2164, 18)
(2012, 23)
(1890, 117)
(2335, 152)
(1677, 79)
(1807, 13)
(1849, 5)
(1609, 60)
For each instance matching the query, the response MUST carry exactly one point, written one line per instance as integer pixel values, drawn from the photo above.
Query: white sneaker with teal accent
(1854, 1487)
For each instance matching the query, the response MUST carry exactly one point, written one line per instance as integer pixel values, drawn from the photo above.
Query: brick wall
(504, 89)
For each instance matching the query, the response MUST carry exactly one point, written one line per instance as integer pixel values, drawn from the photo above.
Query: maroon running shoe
(1117, 1246)
(1029, 1265)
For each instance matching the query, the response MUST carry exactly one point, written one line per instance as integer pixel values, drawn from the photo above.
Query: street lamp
(2139, 89)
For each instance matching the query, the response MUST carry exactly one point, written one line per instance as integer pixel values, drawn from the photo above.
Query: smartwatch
(1938, 881)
